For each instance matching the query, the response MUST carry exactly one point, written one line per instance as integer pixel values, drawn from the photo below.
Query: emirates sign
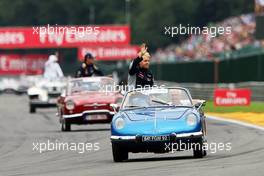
(63, 36)
(232, 97)
(109, 53)
(14, 64)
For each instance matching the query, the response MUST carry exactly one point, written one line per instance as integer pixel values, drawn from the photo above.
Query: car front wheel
(198, 149)
(119, 153)
(65, 126)
(32, 109)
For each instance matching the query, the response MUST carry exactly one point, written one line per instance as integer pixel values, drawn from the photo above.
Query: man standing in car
(52, 69)
(88, 68)
(139, 75)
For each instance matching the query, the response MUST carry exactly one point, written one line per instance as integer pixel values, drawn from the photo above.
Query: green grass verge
(254, 107)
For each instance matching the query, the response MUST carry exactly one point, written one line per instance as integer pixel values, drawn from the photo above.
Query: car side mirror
(122, 92)
(63, 93)
(199, 104)
(115, 107)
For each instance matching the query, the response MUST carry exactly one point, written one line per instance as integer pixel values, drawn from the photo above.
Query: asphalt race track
(19, 130)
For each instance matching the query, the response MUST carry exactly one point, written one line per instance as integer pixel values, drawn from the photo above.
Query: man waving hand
(139, 75)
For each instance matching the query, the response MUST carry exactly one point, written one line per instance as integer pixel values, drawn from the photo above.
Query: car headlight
(44, 87)
(191, 119)
(43, 95)
(119, 123)
(70, 105)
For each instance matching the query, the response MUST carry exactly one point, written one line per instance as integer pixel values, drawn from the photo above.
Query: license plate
(53, 100)
(96, 117)
(155, 138)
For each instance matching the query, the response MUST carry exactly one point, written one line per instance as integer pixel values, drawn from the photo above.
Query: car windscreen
(77, 86)
(156, 97)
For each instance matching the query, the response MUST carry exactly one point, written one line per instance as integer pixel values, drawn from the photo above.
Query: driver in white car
(52, 69)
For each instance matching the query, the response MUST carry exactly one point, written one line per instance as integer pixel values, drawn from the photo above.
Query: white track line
(236, 122)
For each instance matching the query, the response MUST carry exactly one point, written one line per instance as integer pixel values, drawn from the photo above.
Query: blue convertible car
(158, 120)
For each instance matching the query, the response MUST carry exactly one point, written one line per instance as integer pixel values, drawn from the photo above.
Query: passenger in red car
(88, 68)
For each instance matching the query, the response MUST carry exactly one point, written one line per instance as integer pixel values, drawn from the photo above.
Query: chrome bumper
(102, 111)
(182, 135)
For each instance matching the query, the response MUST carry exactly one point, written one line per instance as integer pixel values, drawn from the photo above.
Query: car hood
(145, 114)
(156, 121)
(91, 98)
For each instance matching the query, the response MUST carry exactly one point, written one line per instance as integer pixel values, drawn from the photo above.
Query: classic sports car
(45, 93)
(87, 101)
(17, 85)
(158, 120)
(27, 81)
(9, 84)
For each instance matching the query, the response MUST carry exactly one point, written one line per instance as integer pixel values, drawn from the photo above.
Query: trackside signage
(109, 53)
(16, 64)
(232, 97)
(63, 36)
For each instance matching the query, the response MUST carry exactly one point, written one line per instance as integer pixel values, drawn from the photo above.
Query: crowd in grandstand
(206, 47)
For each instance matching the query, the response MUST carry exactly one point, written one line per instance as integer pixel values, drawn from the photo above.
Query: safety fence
(206, 91)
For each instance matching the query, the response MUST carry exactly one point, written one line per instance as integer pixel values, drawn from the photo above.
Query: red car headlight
(70, 105)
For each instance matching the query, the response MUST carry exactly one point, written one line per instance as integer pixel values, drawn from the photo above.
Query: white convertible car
(18, 84)
(9, 85)
(27, 81)
(45, 93)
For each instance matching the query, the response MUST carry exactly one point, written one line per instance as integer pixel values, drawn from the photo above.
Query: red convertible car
(87, 101)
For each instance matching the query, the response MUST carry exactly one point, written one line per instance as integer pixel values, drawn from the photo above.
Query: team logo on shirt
(141, 75)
